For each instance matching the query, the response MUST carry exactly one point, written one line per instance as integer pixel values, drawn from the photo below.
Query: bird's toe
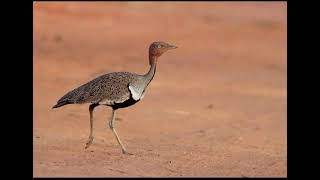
(89, 142)
(127, 153)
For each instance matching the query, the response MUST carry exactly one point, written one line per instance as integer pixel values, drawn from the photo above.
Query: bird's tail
(59, 104)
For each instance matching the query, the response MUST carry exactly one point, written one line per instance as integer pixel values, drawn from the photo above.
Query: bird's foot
(126, 152)
(89, 142)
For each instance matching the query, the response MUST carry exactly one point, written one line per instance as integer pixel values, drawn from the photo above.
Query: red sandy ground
(216, 107)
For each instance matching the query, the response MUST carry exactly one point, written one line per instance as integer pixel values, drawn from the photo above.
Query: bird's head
(156, 49)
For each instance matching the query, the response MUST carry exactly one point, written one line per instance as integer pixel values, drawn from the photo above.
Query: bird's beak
(172, 47)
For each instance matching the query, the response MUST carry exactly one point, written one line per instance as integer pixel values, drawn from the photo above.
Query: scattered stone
(57, 38)
(201, 131)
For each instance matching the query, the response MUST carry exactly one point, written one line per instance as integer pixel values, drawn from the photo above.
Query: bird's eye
(159, 46)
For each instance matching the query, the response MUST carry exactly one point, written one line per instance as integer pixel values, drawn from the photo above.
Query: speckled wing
(106, 89)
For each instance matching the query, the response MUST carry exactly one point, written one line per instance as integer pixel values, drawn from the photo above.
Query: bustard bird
(116, 89)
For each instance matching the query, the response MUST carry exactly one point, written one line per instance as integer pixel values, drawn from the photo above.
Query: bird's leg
(112, 127)
(91, 108)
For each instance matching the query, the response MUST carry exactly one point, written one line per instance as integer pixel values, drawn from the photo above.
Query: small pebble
(118, 119)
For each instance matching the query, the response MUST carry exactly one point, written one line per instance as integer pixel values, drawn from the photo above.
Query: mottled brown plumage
(106, 89)
(117, 89)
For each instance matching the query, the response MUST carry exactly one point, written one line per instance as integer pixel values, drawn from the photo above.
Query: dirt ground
(216, 106)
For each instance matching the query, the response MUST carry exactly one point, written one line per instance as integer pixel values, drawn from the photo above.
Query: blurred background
(216, 107)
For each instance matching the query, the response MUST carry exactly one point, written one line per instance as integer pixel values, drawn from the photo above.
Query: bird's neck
(153, 64)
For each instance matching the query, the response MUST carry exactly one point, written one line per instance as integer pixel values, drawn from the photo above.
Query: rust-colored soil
(216, 107)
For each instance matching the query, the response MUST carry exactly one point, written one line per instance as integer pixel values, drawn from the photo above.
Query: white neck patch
(136, 94)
